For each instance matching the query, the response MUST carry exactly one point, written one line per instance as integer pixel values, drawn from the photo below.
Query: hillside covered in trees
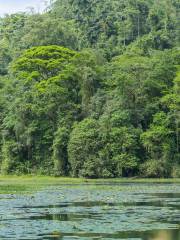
(91, 88)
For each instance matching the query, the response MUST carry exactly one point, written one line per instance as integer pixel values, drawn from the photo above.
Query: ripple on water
(120, 211)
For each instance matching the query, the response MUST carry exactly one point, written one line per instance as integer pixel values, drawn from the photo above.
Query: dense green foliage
(91, 88)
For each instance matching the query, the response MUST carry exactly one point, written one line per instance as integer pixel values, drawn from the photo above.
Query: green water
(134, 211)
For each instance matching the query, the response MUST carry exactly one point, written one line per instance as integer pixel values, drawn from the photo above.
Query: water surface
(134, 211)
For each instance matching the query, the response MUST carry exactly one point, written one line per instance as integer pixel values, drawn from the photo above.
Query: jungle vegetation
(91, 88)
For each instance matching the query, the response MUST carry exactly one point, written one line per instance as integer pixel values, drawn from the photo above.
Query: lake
(109, 210)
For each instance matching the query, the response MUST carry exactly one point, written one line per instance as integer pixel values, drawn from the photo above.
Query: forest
(91, 88)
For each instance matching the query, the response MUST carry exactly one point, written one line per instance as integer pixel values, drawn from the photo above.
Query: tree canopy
(91, 89)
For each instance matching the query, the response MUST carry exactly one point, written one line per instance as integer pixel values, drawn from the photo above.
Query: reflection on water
(165, 235)
(111, 211)
(148, 235)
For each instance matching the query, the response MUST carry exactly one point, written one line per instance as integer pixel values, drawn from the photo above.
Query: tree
(39, 101)
(120, 141)
(83, 149)
(159, 144)
(60, 156)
